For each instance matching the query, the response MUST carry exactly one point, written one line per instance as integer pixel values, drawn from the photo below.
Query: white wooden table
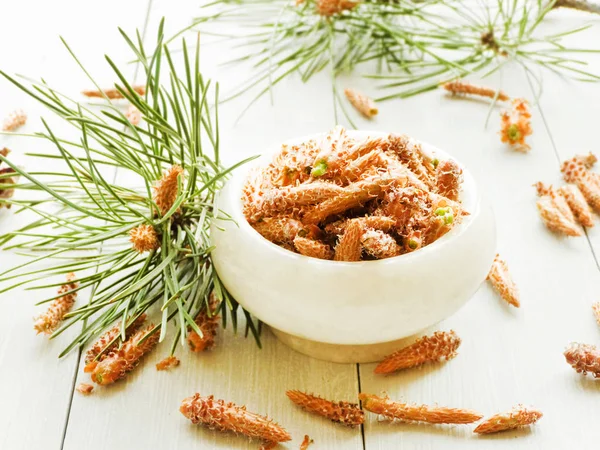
(508, 355)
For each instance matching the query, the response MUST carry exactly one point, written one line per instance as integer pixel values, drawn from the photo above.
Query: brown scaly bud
(440, 222)
(413, 157)
(166, 189)
(596, 311)
(5, 152)
(441, 345)
(417, 413)
(14, 120)
(379, 244)
(520, 416)
(133, 115)
(558, 200)
(554, 220)
(329, 8)
(579, 5)
(49, 321)
(168, 363)
(312, 248)
(208, 324)
(292, 197)
(502, 282)
(588, 160)
(120, 362)
(584, 358)
(449, 179)
(306, 442)
(112, 93)
(226, 416)
(359, 167)
(349, 247)
(144, 238)
(578, 205)
(361, 103)
(345, 413)
(7, 192)
(382, 223)
(462, 87)
(572, 169)
(279, 229)
(110, 340)
(85, 389)
(355, 194)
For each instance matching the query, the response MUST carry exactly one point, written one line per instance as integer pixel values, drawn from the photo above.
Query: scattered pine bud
(144, 238)
(502, 282)
(5, 152)
(588, 160)
(579, 5)
(85, 389)
(112, 93)
(168, 363)
(166, 189)
(449, 179)
(417, 413)
(361, 103)
(120, 362)
(14, 120)
(596, 311)
(516, 126)
(109, 340)
(133, 115)
(208, 324)
(312, 248)
(462, 87)
(520, 416)
(554, 220)
(345, 413)
(226, 416)
(578, 205)
(329, 8)
(584, 358)
(7, 192)
(306, 442)
(59, 307)
(349, 246)
(380, 245)
(441, 345)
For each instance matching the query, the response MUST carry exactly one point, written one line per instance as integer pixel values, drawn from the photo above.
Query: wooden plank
(508, 355)
(36, 385)
(143, 410)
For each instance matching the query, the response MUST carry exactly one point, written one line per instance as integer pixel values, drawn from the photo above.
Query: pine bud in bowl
(346, 242)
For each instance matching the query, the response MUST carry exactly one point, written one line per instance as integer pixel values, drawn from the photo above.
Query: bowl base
(344, 354)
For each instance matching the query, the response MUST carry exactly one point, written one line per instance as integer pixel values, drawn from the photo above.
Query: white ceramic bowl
(358, 305)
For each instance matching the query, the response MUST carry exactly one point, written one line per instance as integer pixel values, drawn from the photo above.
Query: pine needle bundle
(411, 46)
(143, 247)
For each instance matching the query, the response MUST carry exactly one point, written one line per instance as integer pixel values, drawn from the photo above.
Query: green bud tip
(513, 132)
(441, 211)
(412, 244)
(435, 162)
(319, 169)
(449, 219)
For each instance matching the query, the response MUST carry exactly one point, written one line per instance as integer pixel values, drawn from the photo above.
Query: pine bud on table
(345, 413)
(112, 93)
(584, 358)
(462, 87)
(14, 120)
(361, 103)
(502, 282)
(226, 416)
(417, 413)
(122, 361)
(49, 321)
(441, 345)
(520, 416)
(208, 324)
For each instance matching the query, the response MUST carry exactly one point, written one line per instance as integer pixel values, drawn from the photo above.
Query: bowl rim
(238, 217)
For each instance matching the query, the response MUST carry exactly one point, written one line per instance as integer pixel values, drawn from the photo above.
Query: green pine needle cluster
(410, 46)
(83, 216)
